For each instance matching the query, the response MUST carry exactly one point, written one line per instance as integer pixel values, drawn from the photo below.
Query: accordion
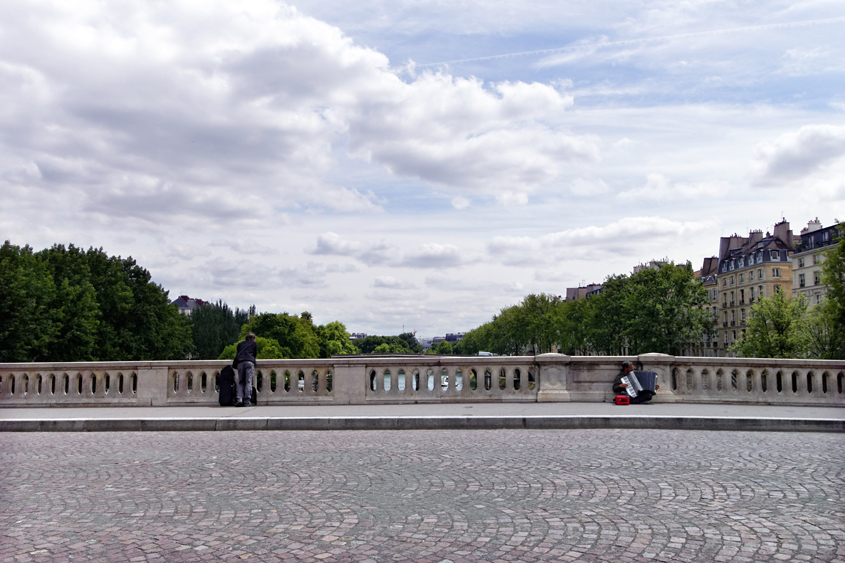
(638, 381)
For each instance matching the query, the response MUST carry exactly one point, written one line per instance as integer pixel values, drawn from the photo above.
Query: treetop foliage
(66, 304)
(655, 310)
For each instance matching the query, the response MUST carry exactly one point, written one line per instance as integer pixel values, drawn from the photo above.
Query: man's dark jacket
(247, 350)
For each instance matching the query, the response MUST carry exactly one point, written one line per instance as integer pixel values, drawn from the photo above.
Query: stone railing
(409, 379)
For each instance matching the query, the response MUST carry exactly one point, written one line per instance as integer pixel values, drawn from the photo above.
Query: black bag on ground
(226, 387)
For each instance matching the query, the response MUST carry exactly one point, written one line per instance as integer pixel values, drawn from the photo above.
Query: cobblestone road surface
(427, 496)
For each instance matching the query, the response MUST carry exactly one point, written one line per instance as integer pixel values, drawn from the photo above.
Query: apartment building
(807, 261)
(751, 268)
(707, 274)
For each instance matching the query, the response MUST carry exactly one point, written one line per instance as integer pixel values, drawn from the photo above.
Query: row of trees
(65, 304)
(280, 335)
(657, 309)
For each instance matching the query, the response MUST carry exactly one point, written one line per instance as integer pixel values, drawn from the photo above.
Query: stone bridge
(351, 380)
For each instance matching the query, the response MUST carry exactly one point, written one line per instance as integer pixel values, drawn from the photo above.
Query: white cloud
(796, 155)
(622, 238)
(588, 188)
(390, 282)
(245, 246)
(153, 110)
(332, 244)
(429, 255)
(660, 188)
(434, 255)
(460, 202)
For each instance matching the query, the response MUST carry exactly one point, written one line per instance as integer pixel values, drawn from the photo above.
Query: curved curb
(426, 423)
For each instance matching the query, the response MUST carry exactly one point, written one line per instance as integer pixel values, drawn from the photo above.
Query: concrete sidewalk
(667, 416)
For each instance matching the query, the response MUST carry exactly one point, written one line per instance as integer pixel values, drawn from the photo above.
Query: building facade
(751, 268)
(807, 261)
(707, 274)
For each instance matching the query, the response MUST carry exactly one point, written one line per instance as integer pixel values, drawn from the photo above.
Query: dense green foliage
(291, 336)
(774, 329)
(655, 310)
(65, 304)
(445, 348)
(405, 343)
(215, 326)
(828, 334)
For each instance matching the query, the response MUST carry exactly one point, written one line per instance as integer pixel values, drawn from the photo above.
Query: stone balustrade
(345, 380)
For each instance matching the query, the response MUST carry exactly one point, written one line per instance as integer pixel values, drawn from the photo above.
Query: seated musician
(620, 388)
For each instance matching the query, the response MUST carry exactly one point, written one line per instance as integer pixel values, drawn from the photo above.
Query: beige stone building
(807, 261)
(707, 274)
(751, 268)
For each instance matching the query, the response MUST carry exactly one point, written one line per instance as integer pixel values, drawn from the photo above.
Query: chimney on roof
(812, 226)
(784, 233)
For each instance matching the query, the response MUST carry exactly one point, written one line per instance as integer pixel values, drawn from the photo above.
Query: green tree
(137, 319)
(404, 343)
(334, 340)
(820, 335)
(774, 330)
(443, 348)
(74, 306)
(832, 309)
(214, 326)
(63, 304)
(268, 349)
(27, 291)
(296, 335)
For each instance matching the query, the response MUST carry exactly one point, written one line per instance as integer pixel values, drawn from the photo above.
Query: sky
(414, 165)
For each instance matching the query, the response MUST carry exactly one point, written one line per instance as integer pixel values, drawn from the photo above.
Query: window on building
(777, 289)
(725, 299)
(801, 280)
(726, 317)
(775, 272)
(815, 259)
(761, 292)
(741, 278)
(752, 294)
(760, 274)
(733, 316)
(825, 236)
(816, 278)
(759, 256)
(724, 282)
(751, 275)
(774, 255)
(818, 298)
(800, 262)
(734, 336)
(726, 339)
(732, 298)
(742, 315)
(741, 295)
(732, 266)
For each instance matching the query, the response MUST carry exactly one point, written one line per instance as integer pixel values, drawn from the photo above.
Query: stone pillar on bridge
(152, 385)
(349, 383)
(554, 369)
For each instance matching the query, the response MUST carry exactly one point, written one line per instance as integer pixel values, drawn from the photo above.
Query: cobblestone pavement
(427, 496)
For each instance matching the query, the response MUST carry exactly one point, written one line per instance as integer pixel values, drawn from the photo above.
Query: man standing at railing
(245, 362)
